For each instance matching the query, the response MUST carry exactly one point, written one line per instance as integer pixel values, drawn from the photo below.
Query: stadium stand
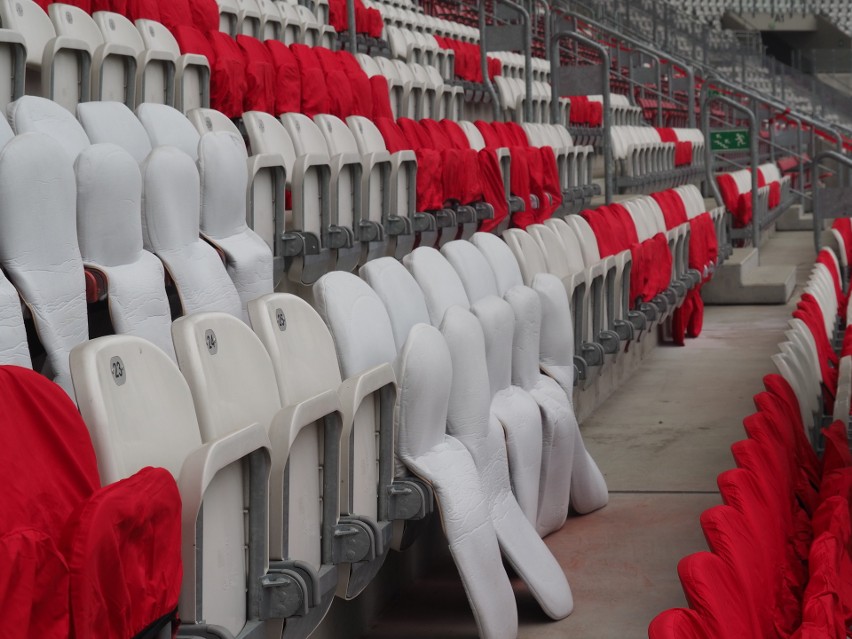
(322, 278)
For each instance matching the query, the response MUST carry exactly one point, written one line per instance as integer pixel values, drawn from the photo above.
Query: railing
(831, 201)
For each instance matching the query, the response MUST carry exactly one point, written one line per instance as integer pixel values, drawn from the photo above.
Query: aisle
(660, 441)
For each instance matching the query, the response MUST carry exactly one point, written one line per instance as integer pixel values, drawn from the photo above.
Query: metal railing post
(353, 37)
(845, 162)
(606, 142)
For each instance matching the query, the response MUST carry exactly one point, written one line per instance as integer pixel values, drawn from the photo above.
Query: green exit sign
(734, 140)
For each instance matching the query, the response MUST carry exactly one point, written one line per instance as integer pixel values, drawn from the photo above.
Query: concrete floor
(660, 440)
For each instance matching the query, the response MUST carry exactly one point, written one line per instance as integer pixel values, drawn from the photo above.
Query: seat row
(780, 545)
(504, 457)
(773, 193)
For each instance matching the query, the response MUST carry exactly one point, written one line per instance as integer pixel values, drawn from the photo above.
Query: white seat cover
(558, 423)
(469, 419)
(38, 245)
(425, 381)
(113, 122)
(556, 355)
(166, 126)
(170, 203)
(109, 227)
(13, 335)
(32, 114)
(222, 162)
(400, 294)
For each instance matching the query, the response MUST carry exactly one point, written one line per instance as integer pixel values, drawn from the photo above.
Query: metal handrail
(843, 160)
(706, 100)
(606, 142)
(483, 55)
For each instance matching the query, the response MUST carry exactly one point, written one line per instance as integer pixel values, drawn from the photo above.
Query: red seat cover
(261, 75)
(288, 83)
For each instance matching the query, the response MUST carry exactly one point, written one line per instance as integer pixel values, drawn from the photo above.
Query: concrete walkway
(660, 440)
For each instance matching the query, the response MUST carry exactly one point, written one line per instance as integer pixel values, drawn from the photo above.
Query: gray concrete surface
(661, 439)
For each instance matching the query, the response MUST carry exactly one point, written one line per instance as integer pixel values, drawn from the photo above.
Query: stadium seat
(292, 331)
(171, 202)
(343, 175)
(470, 421)
(224, 534)
(233, 384)
(113, 66)
(222, 164)
(155, 68)
(100, 559)
(192, 71)
(57, 65)
(424, 374)
(513, 408)
(38, 245)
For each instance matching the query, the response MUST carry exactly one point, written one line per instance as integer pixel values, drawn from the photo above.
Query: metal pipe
(706, 100)
(353, 37)
(606, 143)
(844, 161)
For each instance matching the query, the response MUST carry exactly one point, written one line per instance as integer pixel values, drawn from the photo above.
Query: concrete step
(795, 219)
(741, 280)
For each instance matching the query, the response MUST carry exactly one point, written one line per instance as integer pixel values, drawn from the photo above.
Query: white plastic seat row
(645, 164)
(623, 112)
(111, 219)
(277, 20)
(574, 162)
(74, 57)
(512, 95)
(352, 201)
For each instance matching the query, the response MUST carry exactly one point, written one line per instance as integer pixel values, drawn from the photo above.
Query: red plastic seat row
(585, 112)
(780, 562)
(367, 21)
(688, 319)
(249, 75)
(683, 149)
(467, 60)
(615, 232)
(534, 170)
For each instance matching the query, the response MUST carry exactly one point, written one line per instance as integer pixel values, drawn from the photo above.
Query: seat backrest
(474, 136)
(579, 240)
(223, 164)
(209, 120)
(507, 273)
(171, 209)
(31, 21)
(555, 252)
(14, 349)
(267, 135)
(338, 136)
(472, 268)
(166, 126)
(157, 37)
(117, 377)
(438, 280)
(32, 114)
(305, 134)
(109, 229)
(73, 22)
(367, 136)
(116, 29)
(114, 122)
(38, 244)
(399, 292)
(527, 252)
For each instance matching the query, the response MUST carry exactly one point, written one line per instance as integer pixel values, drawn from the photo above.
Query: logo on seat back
(19, 9)
(69, 18)
(119, 373)
(281, 320)
(211, 342)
